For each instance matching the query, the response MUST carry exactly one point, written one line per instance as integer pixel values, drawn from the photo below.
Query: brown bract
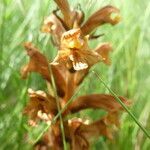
(100, 17)
(39, 63)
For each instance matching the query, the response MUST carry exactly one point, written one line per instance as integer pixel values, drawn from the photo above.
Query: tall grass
(128, 75)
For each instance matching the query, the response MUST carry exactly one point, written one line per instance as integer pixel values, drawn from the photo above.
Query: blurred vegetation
(129, 74)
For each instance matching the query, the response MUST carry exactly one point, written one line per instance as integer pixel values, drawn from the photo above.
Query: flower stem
(123, 105)
(65, 106)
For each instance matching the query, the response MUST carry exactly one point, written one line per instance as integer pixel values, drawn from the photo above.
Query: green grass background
(129, 74)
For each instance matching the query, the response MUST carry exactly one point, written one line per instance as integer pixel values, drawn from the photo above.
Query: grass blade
(123, 105)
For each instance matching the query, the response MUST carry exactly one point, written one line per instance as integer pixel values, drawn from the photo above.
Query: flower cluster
(71, 34)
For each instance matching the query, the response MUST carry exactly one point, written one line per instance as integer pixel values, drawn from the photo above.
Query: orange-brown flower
(41, 106)
(53, 26)
(75, 52)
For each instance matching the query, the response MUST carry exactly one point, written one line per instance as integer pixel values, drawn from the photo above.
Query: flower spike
(64, 74)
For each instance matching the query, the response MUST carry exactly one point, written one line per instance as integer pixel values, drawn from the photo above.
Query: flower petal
(39, 63)
(112, 118)
(77, 59)
(41, 106)
(71, 18)
(81, 132)
(100, 17)
(79, 18)
(102, 101)
(66, 11)
(54, 26)
(79, 76)
(84, 59)
(104, 50)
(51, 140)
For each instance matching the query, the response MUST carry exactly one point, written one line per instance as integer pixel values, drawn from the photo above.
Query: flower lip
(72, 39)
(73, 33)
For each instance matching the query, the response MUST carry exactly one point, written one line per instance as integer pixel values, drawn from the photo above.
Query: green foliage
(128, 75)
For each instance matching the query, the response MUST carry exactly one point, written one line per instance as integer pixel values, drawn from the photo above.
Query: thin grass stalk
(59, 109)
(123, 105)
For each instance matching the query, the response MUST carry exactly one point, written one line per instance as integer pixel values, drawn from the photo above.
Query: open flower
(42, 106)
(75, 52)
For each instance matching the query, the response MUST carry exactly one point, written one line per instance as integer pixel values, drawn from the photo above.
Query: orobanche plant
(70, 34)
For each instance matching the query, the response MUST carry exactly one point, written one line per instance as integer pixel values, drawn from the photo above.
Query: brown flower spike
(71, 34)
